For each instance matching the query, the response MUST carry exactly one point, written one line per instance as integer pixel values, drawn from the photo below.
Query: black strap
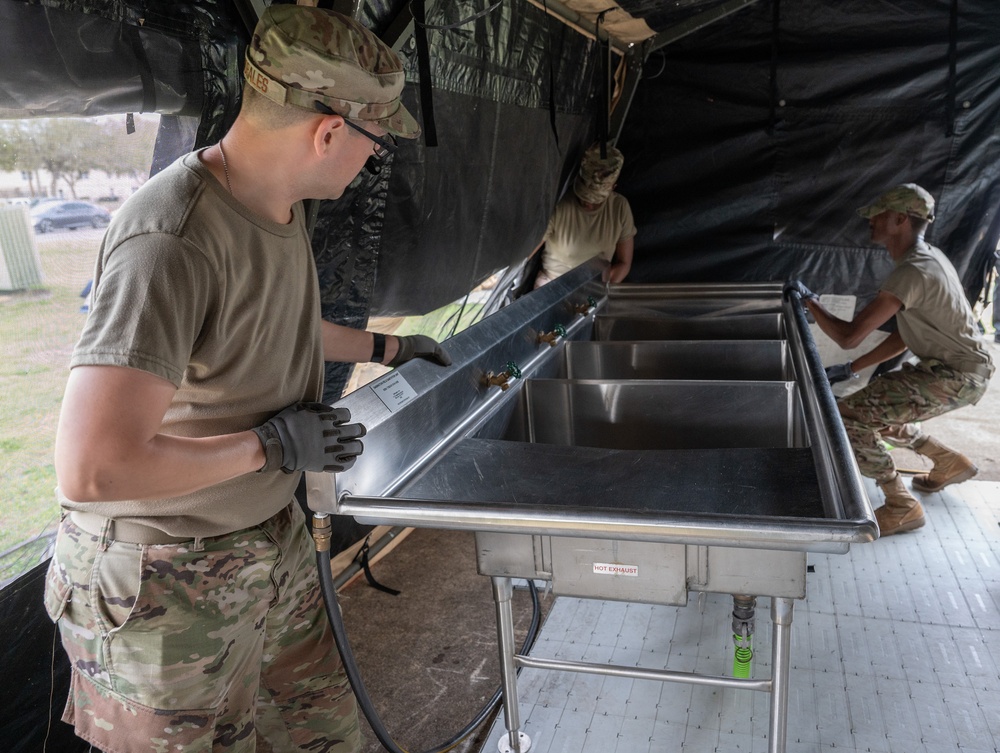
(424, 71)
(950, 104)
(775, 27)
(604, 107)
(378, 348)
(552, 72)
(142, 63)
(363, 554)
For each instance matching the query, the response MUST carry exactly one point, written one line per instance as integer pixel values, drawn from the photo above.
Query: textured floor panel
(895, 649)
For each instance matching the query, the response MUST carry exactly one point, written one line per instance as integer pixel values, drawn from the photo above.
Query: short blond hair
(268, 115)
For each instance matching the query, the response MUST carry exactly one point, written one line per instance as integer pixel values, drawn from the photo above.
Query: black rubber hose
(354, 677)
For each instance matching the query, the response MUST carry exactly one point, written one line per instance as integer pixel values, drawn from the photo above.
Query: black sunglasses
(385, 148)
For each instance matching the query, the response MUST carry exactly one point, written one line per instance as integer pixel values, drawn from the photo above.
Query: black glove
(840, 372)
(419, 346)
(797, 287)
(310, 437)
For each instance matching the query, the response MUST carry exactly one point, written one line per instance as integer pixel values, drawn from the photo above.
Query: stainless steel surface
(656, 415)
(639, 673)
(633, 327)
(710, 459)
(502, 592)
(762, 360)
(441, 460)
(781, 621)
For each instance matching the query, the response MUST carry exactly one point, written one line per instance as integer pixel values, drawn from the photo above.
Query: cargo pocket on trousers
(110, 721)
(58, 591)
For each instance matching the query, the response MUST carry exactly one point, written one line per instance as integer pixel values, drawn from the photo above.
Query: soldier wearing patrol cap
(183, 579)
(592, 221)
(935, 322)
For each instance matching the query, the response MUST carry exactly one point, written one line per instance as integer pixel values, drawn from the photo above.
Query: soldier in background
(935, 322)
(592, 221)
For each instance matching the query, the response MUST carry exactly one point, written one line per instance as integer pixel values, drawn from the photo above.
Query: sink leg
(515, 741)
(781, 620)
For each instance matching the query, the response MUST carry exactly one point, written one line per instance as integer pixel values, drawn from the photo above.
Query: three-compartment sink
(673, 439)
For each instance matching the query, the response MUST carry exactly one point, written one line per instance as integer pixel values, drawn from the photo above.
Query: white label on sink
(393, 391)
(607, 568)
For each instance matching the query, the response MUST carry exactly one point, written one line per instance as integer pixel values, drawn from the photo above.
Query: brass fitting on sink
(585, 308)
(502, 380)
(552, 337)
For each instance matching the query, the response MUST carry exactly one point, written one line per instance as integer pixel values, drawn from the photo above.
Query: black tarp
(35, 673)
(751, 143)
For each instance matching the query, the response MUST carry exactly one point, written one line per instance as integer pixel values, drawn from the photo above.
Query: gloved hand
(419, 346)
(840, 372)
(797, 287)
(310, 437)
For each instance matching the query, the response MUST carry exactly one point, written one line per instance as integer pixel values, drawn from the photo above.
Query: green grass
(38, 329)
(442, 323)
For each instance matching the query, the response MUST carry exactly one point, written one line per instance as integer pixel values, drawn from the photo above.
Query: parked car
(68, 215)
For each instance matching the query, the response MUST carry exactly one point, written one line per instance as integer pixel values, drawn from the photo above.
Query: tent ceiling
(635, 21)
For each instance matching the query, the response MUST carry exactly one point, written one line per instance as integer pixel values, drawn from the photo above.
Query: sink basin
(759, 360)
(652, 414)
(630, 327)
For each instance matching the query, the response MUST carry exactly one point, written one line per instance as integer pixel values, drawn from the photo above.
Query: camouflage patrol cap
(321, 60)
(597, 176)
(908, 198)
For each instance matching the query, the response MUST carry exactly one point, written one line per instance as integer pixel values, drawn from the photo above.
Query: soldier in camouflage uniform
(183, 580)
(592, 221)
(935, 322)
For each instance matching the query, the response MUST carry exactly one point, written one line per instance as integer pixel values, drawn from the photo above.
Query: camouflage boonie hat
(316, 59)
(597, 176)
(908, 198)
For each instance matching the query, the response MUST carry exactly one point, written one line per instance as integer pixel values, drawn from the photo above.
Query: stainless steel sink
(446, 449)
(758, 360)
(652, 415)
(675, 439)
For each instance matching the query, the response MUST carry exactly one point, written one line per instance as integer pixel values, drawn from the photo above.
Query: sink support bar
(777, 685)
(781, 620)
(502, 591)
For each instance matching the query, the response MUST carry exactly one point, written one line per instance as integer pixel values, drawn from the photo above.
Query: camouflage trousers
(220, 644)
(892, 402)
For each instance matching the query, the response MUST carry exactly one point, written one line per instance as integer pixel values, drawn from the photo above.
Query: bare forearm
(621, 261)
(349, 345)
(617, 272)
(891, 347)
(849, 335)
(164, 466)
(110, 445)
(838, 330)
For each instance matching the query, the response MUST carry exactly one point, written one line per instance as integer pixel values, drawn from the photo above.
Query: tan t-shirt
(936, 321)
(575, 234)
(193, 287)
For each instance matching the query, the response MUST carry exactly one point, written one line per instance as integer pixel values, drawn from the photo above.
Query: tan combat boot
(950, 467)
(901, 511)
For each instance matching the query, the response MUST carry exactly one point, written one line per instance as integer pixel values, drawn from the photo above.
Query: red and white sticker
(608, 568)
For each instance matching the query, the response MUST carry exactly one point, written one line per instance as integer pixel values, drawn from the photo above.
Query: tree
(69, 148)
(20, 149)
(133, 151)
(72, 147)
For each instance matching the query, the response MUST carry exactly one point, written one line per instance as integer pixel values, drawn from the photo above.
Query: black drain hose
(321, 534)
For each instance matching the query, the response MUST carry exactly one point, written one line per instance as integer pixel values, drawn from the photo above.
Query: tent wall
(751, 143)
